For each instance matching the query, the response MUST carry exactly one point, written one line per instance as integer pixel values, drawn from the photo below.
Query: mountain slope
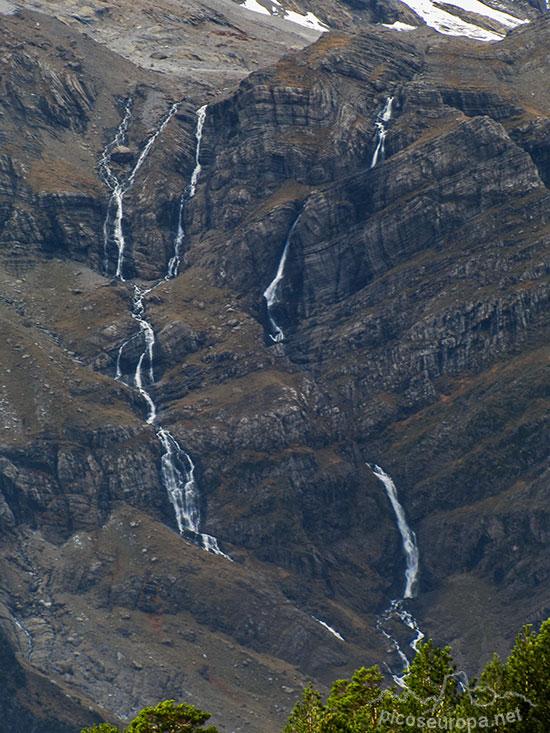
(412, 299)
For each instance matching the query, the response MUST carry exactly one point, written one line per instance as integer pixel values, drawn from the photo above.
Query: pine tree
(527, 679)
(353, 706)
(431, 688)
(168, 718)
(308, 714)
(539, 715)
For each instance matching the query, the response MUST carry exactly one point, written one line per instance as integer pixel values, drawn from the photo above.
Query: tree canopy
(166, 717)
(511, 696)
(508, 696)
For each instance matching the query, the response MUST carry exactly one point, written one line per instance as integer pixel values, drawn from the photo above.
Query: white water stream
(177, 467)
(329, 628)
(188, 193)
(383, 117)
(28, 637)
(113, 232)
(178, 475)
(412, 557)
(143, 374)
(112, 226)
(271, 293)
(407, 535)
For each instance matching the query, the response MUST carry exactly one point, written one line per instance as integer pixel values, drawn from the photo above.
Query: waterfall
(271, 293)
(407, 535)
(201, 116)
(412, 557)
(118, 368)
(27, 634)
(145, 328)
(115, 186)
(174, 263)
(178, 473)
(177, 468)
(383, 117)
(113, 234)
(329, 628)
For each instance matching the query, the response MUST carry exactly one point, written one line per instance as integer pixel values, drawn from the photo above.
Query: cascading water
(201, 117)
(407, 535)
(178, 473)
(146, 330)
(383, 117)
(329, 628)
(28, 637)
(113, 234)
(271, 293)
(174, 263)
(412, 557)
(177, 468)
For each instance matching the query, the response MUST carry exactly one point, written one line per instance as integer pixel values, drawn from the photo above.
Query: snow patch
(255, 6)
(451, 25)
(275, 9)
(7, 8)
(399, 26)
(474, 6)
(309, 20)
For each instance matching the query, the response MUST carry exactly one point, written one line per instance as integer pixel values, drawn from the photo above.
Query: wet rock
(122, 154)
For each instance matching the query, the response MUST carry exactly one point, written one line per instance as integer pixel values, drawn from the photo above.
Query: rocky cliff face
(413, 303)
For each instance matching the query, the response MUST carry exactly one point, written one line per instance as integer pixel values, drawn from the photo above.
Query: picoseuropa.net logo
(481, 697)
(449, 723)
